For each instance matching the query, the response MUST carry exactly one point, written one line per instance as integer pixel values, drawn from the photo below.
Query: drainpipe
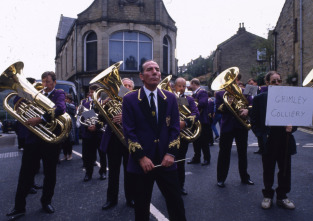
(75, 56)
(301, 49)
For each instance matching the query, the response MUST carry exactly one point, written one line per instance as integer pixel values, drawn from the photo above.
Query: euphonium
(226, 80)
(32, 104)
(111, 81)
(189, 134)
(308, 79)
(87, 117)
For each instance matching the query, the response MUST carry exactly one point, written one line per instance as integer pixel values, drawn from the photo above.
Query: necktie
(153, 108)
(46, 94)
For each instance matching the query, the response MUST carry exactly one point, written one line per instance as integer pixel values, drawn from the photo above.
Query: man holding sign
(279, 146)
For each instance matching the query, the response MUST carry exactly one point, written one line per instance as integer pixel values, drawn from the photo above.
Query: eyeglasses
(276, 80)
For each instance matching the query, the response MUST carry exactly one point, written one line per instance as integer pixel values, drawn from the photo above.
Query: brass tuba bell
(111, 82)
(226, 80)
(188, 134)
(32, 104)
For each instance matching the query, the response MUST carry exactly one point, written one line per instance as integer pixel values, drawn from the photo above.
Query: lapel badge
(153, 113)
(168, 120)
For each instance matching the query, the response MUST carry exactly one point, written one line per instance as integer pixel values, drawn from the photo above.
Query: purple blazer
(142, 137)
(202, 98)
(228, 122)
(21, 130)
(58, 98)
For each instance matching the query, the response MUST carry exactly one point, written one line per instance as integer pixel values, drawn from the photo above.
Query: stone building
(241, 51)
(109, 31)
(293, 41)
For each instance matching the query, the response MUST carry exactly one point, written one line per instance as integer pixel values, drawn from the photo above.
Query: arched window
(166, 56)
(133, 48)
(90, 52)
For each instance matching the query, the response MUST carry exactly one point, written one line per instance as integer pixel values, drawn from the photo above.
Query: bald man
(180, 87)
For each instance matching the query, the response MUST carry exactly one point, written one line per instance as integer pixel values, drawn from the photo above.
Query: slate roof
(65, 25)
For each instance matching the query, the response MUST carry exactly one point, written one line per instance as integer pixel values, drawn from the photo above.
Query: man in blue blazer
(38, 149)
(151, 129)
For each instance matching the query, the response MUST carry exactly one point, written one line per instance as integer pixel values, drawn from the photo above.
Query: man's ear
(141, 76)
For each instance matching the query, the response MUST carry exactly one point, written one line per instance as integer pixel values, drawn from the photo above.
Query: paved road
(76, 200)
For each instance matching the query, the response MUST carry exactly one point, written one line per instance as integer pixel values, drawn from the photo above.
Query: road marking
(308, 145)
(306, 130)
(157, 214)
(9, 155)
(154, 211)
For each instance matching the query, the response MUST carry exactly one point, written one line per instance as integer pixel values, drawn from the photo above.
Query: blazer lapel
(145, 108)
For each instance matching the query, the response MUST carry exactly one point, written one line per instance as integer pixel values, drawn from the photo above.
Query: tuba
(188, 134)
(308, 79)
(226, 80)
(32, 104)
(111, 82)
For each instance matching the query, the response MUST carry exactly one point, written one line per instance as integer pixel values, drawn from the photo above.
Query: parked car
(8, 125)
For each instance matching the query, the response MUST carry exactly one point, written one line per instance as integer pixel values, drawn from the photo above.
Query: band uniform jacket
(143, 137)
(228, 122)
(201, 96)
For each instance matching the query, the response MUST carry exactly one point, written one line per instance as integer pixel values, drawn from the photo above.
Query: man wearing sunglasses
(279, 144)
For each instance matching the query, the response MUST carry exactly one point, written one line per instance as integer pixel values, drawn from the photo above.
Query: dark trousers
(261, 142)
(182, 151)
(276, 153)
(168, 184)
(116, 152)
(67, 147)
(30, 160)
(203, 143)
(90, 147)
(226, 141)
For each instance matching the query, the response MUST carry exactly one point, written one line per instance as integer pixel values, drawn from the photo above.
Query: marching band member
(206, 136)
(115, 150)
(151, 129)
(230, 129)
(38, 149)
(279, 145)
(180, 86)
(91, 138)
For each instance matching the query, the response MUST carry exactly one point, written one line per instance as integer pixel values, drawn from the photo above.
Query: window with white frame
(133, 48)
(90, 52)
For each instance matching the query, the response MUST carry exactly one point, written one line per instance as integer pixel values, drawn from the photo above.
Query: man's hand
(244, 112)
(34, 121)
(288, 129)
(182, 125)
(117, 119)
(167, 161)
(146, 164)
(92, 128)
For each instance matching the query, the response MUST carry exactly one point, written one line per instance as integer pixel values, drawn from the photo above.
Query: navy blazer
(258, 116)
(143, 137)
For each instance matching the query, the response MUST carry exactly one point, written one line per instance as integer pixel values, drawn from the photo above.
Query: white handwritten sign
(289, 106)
